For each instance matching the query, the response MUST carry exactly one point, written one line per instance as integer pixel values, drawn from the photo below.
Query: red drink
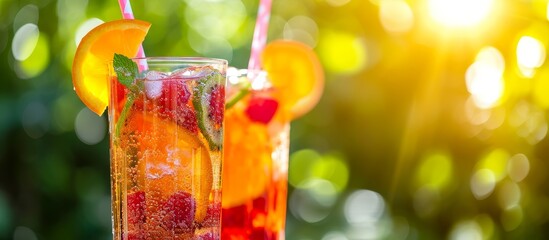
(255, 165)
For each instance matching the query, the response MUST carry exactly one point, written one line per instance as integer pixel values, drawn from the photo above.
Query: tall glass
(166, 136)
(256, 160)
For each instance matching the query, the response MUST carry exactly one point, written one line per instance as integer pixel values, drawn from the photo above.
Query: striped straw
(127, 13)
(260, 34)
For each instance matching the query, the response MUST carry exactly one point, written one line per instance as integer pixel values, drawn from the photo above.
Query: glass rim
(202, 60)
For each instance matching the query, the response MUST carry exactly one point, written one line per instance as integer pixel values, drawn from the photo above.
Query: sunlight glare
(530, 52)
(484, 78)
(459, 13)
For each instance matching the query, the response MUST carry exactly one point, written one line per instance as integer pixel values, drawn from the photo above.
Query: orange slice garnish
(296, 74)
(90, 65)
(170, 159)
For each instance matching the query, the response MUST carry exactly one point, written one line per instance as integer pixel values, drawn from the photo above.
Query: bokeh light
(529, 122)
(303, 204)
(364, 207)
(530, 54)
(484, 78)
(300, 162)
(512, 218)
(518, 167)
(365, 211)
(425, 201)
(435, 171)
(303, 29)
(396, 16)
(210, 18)
(334, 236)
(37, 61)
(483, 183)
(495, 161)
(24, 41)
(509, 195)
(309, 166)
(85, 27)
(27, 14)
(466, 230)
(89, 127)
(341, 52)
(459, 13)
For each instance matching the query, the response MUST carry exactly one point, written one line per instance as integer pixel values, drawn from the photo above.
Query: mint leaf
(126, 72)
(126, 69)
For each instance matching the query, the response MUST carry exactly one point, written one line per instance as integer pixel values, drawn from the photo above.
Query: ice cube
(153, 87)
(155, 75)
(191, 72)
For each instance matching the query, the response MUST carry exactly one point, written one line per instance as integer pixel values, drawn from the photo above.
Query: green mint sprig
(126, 72)
(126, 69)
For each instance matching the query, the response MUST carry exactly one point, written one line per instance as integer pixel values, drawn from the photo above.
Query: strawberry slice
(186, 117)
(217, 103)
(213, 215)
(207, 236)
(172, 103)
(261, 109)
(179, 209)
(174, 93)
(136, 207)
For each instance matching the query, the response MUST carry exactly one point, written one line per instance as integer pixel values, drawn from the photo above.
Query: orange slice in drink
(247, 156)
(171, 159)
(296, 73)
(95, 51)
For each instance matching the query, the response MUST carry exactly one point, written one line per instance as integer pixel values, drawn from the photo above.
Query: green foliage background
(396, 125)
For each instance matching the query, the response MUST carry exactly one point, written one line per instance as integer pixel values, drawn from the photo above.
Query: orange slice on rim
(89, 68)
(296, 73)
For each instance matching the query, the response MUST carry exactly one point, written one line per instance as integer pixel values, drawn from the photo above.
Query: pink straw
(127, 13)
(260, 34)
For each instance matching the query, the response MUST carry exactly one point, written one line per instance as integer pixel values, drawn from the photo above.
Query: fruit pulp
(255, 167)
(165, 175)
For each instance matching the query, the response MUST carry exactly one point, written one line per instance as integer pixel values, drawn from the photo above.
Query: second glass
(256, 160)
(166, 132)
